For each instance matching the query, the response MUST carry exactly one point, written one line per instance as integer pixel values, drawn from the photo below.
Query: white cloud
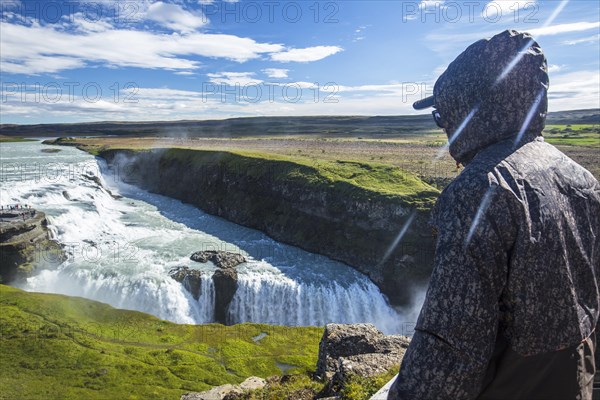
(587, 39)
(358, 34)
(554, 67)
(39, 64)
(574, 90)
(36, 49)
(302, 85)
(175, 17)
(306, 55)
(567, 91)
(16, 17)
(277, 73)
(171, 104)
(233, 78)
(449, 49)
(564, 28)
(165, 93)
(43, 49)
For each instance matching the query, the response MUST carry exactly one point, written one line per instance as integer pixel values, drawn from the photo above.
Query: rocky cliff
(316, 207)
(25, 244)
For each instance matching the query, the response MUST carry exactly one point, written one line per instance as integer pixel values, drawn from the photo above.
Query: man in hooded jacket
(513, 301)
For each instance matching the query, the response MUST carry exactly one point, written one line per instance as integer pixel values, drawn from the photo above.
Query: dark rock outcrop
(25, 244)
(190, 278)
(222, 259)
(360, 349)
(225, 281)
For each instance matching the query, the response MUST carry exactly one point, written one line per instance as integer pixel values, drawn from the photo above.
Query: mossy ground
(303, 387)
(361, 388)
(59, 347)
(418, 153)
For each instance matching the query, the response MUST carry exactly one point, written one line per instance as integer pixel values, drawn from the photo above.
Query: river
(121, 242)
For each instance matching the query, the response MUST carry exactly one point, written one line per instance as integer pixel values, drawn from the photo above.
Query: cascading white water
(269, 296)
(120, 250)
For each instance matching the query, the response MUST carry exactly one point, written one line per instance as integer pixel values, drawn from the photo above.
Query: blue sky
(67, 61)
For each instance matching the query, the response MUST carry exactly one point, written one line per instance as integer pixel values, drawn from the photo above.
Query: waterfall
(155, 295)
(274, 298)
(120, 251)
(206, 300)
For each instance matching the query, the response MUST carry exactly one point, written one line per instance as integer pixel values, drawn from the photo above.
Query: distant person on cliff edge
(513, 301)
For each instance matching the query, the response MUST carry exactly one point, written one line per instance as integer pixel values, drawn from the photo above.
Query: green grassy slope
(59, 347)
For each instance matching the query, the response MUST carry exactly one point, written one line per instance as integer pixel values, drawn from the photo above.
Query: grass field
(574, 135)
(59, 347)
(418, 153)
(412, 155)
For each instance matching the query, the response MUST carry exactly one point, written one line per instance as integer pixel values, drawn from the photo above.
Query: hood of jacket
(494, 90)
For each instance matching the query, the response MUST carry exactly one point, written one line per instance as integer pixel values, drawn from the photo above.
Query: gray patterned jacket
(516, 265)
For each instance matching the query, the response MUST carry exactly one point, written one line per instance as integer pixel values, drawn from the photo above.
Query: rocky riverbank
(335, 209)
(25, 244)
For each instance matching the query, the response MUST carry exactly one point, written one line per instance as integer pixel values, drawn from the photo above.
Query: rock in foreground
(224, 392)
(360, 349)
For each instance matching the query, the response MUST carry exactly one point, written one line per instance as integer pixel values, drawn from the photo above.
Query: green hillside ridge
(355, 178)
(60, 347)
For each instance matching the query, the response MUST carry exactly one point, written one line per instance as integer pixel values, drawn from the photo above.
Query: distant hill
(267, 126)
(591, 116)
